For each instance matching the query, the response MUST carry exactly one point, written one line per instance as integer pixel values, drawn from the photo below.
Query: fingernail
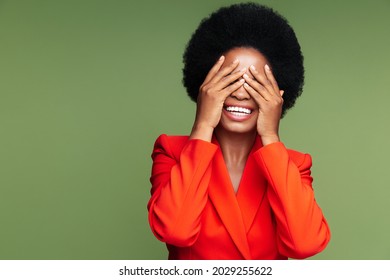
(246, 85)
(245, 76)
(253, 67)
(222, 57)
(242, 80)
(267, 67)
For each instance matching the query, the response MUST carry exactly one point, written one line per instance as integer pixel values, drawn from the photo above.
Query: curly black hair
(246, 25)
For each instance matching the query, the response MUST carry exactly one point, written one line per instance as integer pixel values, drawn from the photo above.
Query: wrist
(269, 139)
(202, 131)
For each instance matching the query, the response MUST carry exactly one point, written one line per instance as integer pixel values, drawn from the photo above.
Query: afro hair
(246, 25)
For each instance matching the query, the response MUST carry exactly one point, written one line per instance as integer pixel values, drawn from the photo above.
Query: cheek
(255, 113)
(255, 116)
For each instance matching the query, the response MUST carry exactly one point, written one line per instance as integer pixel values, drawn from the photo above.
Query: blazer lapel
(252, 188)
(222, 195)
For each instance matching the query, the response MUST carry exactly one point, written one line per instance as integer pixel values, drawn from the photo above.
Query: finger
(233, 77)
(224, 71)
(259, 99)
(233, 87)
(260, 89)
(271, 78)
(214, 69)
(281, 92)
(263, 80)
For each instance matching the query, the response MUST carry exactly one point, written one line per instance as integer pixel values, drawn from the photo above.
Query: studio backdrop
(87, 86)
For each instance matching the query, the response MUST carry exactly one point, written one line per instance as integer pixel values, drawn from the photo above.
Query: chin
(237, 127)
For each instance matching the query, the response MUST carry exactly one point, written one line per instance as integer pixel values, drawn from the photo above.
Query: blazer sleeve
(302, 230)
(179, 189)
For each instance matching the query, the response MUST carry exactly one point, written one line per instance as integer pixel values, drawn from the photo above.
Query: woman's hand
(219, 83)
(265, 91)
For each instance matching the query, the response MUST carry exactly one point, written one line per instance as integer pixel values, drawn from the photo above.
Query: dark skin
(241, 78)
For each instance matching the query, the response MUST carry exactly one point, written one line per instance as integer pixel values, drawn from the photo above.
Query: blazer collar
(237, 211)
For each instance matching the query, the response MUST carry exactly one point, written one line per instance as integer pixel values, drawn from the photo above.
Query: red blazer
(195, 211)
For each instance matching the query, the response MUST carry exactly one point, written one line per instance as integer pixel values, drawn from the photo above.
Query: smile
(238, 111)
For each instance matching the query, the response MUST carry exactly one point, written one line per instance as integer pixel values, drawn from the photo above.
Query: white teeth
(238, 114)
(238, 110)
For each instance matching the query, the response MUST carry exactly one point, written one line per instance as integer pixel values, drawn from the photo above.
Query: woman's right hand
(219, 83)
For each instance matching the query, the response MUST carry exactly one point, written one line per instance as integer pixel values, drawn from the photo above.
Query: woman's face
(235, 116)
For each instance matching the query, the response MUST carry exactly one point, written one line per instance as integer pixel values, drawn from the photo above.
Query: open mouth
(238, 111)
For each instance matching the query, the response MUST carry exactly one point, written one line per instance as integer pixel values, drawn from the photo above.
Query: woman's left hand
(265, 91)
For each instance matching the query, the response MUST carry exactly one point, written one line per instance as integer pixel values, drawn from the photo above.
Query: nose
(241, 94)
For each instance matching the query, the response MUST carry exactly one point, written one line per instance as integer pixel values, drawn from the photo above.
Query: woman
(231, 189)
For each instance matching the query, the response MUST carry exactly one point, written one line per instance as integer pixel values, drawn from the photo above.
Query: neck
(235, 147)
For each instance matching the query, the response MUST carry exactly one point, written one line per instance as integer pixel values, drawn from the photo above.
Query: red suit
(195, 211)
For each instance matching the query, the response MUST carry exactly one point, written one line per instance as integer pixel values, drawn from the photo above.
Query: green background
(87, 86)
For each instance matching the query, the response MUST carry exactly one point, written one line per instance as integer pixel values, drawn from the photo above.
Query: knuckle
(210, 91)
(277, 101)
(202, 88)
(206, 89)
(267, 83)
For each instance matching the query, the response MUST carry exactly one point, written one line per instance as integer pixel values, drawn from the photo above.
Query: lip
(235, 117)
(238, 105)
